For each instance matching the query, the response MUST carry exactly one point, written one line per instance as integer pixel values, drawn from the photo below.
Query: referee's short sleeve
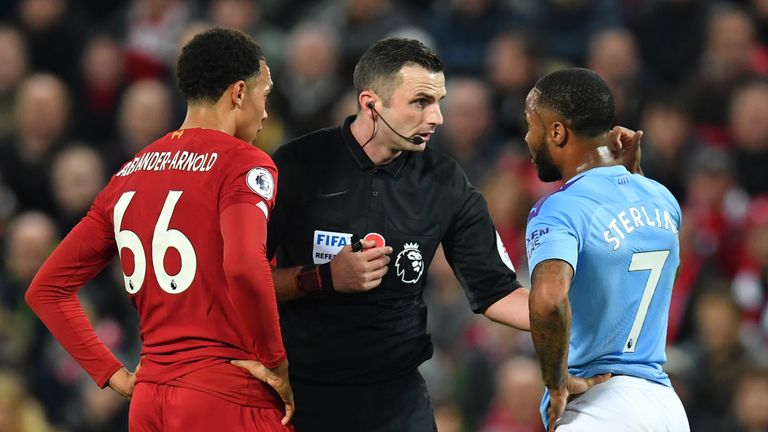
(477, 256)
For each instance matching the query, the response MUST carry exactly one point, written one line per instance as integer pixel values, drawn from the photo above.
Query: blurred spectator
(567, 25)
(720, 358)
(508, 204)
(305, 93)
(247, 16)
(19, 412)
(30, 238)
(725, 64)
(360, 23)
(152, 31)
(512, 67)
(710, 240)
(42, 114)
(53, 36)
(467, 134)
(145, 115)
(749, 130)
(750, 285)
(77, 177)
(749, 409)
(716, 206)
(670, 34)
(99, 89)
(668, 143)
(463, 30)
(519, 389)
(612, 53)
(13, 67)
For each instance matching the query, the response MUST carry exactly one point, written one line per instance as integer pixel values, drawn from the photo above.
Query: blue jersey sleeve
(551, 234)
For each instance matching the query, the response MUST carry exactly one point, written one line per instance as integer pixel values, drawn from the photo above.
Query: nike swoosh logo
(330, 195)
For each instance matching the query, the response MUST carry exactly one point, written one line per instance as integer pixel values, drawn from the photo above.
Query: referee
(365, 206)
(354, 351)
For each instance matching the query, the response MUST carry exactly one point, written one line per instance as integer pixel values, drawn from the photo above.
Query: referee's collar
(365, 163)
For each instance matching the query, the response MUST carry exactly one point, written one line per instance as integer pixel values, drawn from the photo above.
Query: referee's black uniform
(354, 357)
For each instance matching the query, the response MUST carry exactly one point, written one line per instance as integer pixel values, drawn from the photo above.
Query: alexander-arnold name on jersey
(180, 161)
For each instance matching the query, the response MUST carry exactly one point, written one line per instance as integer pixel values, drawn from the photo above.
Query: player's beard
(545, 166)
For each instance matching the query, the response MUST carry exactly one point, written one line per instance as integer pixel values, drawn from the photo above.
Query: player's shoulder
(567, 201)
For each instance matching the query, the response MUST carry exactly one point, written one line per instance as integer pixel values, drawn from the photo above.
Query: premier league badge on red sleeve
(261, 182)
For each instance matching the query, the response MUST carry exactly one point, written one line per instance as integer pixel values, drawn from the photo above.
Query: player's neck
(591, 154)
(208, 117)
(376, 150)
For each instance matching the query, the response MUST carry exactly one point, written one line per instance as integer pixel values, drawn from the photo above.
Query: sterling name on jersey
(619, 232)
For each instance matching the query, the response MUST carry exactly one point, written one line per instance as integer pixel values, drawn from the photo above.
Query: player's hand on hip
(578, 385)
(277, 378)
(625, 146)
(360, 271)
(123, 382)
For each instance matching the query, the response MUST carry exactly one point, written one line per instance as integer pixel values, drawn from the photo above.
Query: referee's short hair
(215, 59)
(581, 97)
(378, 67)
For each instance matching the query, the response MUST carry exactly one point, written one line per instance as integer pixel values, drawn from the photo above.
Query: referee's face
(414, 107)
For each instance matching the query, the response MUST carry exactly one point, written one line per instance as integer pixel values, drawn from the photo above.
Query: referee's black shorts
(398, 405)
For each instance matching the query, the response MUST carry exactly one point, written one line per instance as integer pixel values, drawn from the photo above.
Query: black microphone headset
(416, 139)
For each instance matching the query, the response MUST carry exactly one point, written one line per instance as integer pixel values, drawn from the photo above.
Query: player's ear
(237, 92)
(558, 133)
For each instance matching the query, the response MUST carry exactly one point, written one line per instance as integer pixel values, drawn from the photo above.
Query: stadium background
(84, 84)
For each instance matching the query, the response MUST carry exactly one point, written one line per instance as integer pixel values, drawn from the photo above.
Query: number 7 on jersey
(653, 261)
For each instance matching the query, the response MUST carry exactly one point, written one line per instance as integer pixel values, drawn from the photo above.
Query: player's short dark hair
(581, 97)
(215, 59)
(378, 67)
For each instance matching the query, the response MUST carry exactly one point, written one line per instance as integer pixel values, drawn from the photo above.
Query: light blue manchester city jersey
(619, 232)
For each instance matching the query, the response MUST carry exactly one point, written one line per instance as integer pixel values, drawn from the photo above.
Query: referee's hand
(360, 271)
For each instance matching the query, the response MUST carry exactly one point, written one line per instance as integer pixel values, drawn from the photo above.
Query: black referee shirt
(330, 189)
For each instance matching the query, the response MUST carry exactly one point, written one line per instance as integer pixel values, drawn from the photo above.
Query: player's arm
(249, 279)
(348, 272)
(511, 310)
(550, 328)
(550, 314)
(52, 295)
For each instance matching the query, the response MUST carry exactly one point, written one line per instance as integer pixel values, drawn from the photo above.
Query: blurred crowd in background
(84, 84)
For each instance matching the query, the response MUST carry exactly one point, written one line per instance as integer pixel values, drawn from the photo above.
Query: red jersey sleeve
(251, 180)
(249, 278)
(52, 295)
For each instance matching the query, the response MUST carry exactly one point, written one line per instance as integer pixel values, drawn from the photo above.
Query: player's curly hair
(213, 60)
(378, 67)
(581, 97)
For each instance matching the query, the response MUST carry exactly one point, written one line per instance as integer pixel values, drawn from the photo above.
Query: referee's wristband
(314, 279)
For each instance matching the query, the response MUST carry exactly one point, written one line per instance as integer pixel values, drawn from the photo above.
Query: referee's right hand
(360, 271)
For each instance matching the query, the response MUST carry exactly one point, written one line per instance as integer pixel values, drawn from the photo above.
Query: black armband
(326, 281)
(314, 279)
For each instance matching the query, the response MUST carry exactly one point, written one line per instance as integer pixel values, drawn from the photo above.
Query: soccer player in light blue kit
(603, 252)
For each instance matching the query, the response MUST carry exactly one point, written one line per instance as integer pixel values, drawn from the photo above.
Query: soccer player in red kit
(188, 217)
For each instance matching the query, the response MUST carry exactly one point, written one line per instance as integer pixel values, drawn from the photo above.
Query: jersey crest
(410, 263)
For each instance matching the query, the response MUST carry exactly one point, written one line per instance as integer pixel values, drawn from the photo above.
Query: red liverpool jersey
(161, 211)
